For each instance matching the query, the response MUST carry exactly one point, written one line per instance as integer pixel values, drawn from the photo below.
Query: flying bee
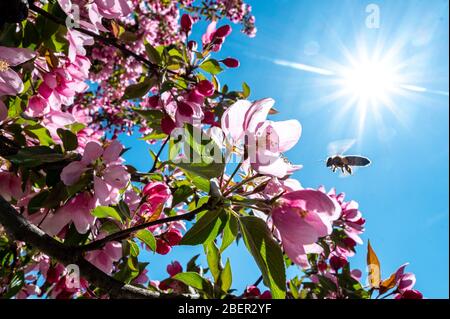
(344, 162)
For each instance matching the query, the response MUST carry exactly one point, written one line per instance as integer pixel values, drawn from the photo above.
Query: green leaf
(70, 141)
(139, 89)
(181, 194)
(150, 115)
(201, 183)
(230, 231)
(35, 155)
(147, 238)
(211, 66)
(37, 201)
(205, 229)
(200, 153)
(245, 90)
(105, 212)
(226, 277)
(134, 248)
(266, 252)
(152, 54)
(213, 259)
(39, 132)
(192, 279)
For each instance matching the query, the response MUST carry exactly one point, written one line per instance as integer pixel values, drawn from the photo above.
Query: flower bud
(174, 268)
(186, 23)
(231, 62)
(153, 101)
(205, 88)
(223, 31)
(162, 247)
(173, 237)
(337, 262)
(192, 45)
(167, 125)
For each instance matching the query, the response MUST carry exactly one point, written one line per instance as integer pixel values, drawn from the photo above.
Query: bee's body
(345, 162)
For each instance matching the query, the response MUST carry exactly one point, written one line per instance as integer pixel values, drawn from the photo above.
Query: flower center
(3, 65)
(302, 213)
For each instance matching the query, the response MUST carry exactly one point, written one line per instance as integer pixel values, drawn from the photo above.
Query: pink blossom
(76, 210)
(156, 194)
(10, 82)
(104, 258)
(265, 140)
(3, 111)
(110, 175)
(302, 217)
(10, 186)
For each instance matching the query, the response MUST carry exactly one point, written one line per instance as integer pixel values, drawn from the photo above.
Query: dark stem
(127, 232)
(158, 155)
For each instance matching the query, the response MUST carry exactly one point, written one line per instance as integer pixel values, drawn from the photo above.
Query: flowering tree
(74, 74)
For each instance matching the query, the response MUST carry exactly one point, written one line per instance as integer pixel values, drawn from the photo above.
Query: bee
(344, 162)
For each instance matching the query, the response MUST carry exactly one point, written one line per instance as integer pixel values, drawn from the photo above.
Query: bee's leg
(342, 169)
(348, 169)
(334, 168)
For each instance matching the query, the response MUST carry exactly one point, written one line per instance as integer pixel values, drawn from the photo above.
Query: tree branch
(127, 232)
(100, 38)
(20, 229)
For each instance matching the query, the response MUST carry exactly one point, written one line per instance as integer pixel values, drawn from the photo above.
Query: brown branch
(127, 232)
(20, 229)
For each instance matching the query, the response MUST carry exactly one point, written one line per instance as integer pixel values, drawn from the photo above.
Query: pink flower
(104, 258)
(10, 82)
(302, 217)
(174, 268)
(156, 194)
(3, 111)
(112, 9)
(76, 210)
(265, 140)
(110, 175)
(10, 186)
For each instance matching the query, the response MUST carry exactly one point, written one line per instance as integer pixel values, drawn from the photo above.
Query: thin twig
(125, 233)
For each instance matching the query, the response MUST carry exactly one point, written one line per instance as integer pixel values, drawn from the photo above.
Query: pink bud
(153, 101)
(208, 118)
(252, 291)
(173, 237)
(174, 268)
(223, 31)
(231, 62)
(192, 45)
(337, 262)
(350, 243)
(167, 125)
(162, 247)
(186, 23)
(205, 88)
(185, 109)
(411, 294)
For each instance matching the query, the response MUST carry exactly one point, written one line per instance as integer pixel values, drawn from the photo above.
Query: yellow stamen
(3, 65)
(302, 212)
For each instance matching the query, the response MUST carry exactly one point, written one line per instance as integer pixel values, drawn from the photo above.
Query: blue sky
(404, 193)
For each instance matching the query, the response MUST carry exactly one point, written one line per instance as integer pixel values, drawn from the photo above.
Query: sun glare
(369, 82)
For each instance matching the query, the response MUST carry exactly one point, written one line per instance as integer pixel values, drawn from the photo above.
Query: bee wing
(355, 160)
(339, 147)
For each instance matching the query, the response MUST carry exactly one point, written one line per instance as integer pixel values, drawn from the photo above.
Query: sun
(369, 81)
